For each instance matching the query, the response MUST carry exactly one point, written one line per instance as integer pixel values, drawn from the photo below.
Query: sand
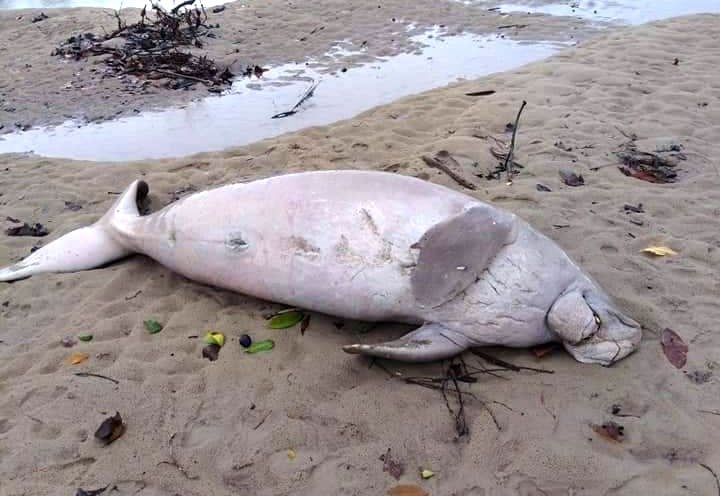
(37, 89)
(196, 427)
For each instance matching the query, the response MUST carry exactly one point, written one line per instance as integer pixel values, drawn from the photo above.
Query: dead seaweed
(655, 167)
(151, 48)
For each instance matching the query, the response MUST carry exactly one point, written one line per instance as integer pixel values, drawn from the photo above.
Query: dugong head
(592, 328)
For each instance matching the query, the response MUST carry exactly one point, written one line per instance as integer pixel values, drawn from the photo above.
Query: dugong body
(370, 246)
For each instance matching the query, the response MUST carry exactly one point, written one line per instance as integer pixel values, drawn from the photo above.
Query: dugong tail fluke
(85, 248)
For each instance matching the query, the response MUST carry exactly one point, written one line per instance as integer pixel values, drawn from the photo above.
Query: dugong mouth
(604, 351)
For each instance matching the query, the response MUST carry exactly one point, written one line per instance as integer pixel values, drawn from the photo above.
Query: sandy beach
(196, 427)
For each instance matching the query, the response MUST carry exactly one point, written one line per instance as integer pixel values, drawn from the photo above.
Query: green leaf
(286, 319)
(85, 337)
(265, 345)
(152, 326)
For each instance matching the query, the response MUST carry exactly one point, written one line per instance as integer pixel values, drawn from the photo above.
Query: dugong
(370, 246)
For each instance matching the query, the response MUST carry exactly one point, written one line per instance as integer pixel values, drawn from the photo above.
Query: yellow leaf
(76, 358)
(291, 454)
(426, 474)
(407, 490)
(660, 251)
(217, 338)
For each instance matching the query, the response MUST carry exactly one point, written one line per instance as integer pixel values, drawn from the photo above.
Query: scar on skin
(344, 253)
(303, 246)
(370, 222)
(236, 242)
(385, 254)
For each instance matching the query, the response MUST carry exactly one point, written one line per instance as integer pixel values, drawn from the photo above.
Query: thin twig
(180, 469)
(492, 415)
(711, 412)
(382, 367)
(436, 164)
(310, 91)
(137, 293)
(461, 378)
(181, 5)
(507, 365)
(185, 76)
(542, 402)
(262, 421)
(173, 460)
(631, 136)
(497, 141)
(508, 158)
(480, 93)
(433, 385)
(503, 404)
(717, 481)
(100, 376)
(492, 372)
(460, 420)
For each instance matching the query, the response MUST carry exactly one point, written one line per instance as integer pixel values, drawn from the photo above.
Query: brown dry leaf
(544, 349)
(610, 430)
(211, 352)
(111, 429)
(407, 490)
(674, 348)
(77, 357)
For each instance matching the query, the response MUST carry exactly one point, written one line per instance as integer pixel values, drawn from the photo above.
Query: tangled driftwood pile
(151, 48)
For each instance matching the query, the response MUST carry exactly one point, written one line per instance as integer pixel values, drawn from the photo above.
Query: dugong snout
(592, 328)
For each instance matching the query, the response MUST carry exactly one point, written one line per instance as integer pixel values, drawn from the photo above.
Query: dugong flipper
(452, 255)
(371, 246)
(427, 343)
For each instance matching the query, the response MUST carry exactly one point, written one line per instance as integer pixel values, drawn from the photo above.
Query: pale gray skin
(370, 246)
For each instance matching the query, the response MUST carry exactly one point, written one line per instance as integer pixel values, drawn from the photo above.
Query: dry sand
(37, 89)
(225, 426)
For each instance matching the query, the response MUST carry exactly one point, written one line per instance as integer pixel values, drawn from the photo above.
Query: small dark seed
(245, 341)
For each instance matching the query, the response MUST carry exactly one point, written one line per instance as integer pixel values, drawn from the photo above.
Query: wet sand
(196, 427)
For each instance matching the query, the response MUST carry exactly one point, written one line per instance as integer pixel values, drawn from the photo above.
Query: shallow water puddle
(244, 115)
(619, 11)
